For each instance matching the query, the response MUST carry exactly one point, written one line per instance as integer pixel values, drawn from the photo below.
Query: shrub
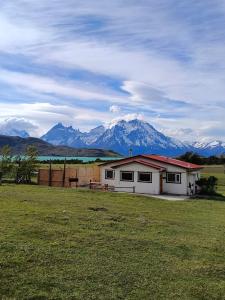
(20, 168)
(207, 185)
(27, 165)
(6, 162)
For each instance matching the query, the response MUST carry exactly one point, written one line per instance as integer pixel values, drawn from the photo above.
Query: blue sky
(85, 63)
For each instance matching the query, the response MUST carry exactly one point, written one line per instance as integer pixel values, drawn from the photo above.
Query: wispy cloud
(46, 114)
(18, 124)
(114, 108)
(162, 58)
(69, 88)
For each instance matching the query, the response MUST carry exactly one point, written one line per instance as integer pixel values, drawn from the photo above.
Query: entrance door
(161, 183)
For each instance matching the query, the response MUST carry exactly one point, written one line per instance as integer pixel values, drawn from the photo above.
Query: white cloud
(45, 115)
(114, 109)
(67, 88)
(163, 54)
(114, 60)
(184, 134)
(145, 94)
(127, 117)
(19, 124)
(15, 37)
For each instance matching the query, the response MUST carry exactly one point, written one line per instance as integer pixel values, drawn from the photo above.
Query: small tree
(6, 163)
(208, 185)
(27, 165)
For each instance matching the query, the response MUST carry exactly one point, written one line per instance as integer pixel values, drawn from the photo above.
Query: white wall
(176, 188)
(126, 186)
(154, 187)
(173, 188)
(186, 178)
(192, 178)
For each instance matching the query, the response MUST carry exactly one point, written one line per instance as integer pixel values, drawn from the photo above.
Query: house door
(161, 183)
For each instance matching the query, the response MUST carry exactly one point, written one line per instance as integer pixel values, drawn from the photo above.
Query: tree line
(72, 161)
(19, 168)
(202, 160)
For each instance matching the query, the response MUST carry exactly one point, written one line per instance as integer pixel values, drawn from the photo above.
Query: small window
(144, 176)
(126, 176)
(173, 177)
(109, 174)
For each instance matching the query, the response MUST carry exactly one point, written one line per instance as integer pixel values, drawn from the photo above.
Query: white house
(151, 174)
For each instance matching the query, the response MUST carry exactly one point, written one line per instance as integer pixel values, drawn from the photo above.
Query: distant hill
(19, 145)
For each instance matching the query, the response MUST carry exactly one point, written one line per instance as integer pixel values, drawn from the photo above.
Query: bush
(6, 162)
(27, 165)
(20, 168)
(207, 185)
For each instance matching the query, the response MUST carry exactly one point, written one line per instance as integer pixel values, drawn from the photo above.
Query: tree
(202, 160)
(6, 164)
(192, 158)
(27, 165)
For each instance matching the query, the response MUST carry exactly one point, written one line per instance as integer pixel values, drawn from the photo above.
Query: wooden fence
(69, 177)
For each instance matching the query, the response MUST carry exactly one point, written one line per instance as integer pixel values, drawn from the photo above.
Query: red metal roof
(172, 161)
(138, 161)
(156, 158)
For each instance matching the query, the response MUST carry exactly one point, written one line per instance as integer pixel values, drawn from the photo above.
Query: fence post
(50, 174)
(38, 179)
(64, 173)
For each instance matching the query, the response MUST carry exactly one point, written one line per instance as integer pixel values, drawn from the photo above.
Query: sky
(86, 63)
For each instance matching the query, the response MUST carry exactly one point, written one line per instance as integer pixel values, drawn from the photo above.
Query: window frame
(106, 178)
(132, 172)
(174, 182)
(150, 173)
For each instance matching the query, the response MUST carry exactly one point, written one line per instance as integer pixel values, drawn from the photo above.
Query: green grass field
(68, 244)
(219, 172)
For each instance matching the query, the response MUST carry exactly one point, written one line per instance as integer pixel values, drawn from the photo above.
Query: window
(109, 174)
(144, 176)
(173, 177)
(126, 176)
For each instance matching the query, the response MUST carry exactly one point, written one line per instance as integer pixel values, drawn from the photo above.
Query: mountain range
(137, 135)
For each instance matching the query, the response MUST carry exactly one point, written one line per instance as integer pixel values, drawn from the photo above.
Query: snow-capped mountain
(139, 136)
(136, 134)
(61, 135)
(92, 136)
(14, 132)
(209, 148)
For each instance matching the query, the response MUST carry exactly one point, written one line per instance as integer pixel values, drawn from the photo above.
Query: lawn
(219, 172)
(66, 244)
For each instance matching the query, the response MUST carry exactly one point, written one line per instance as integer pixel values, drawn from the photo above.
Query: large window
(109, 174)
(173, 177)
(126, 176)
(144, 176)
